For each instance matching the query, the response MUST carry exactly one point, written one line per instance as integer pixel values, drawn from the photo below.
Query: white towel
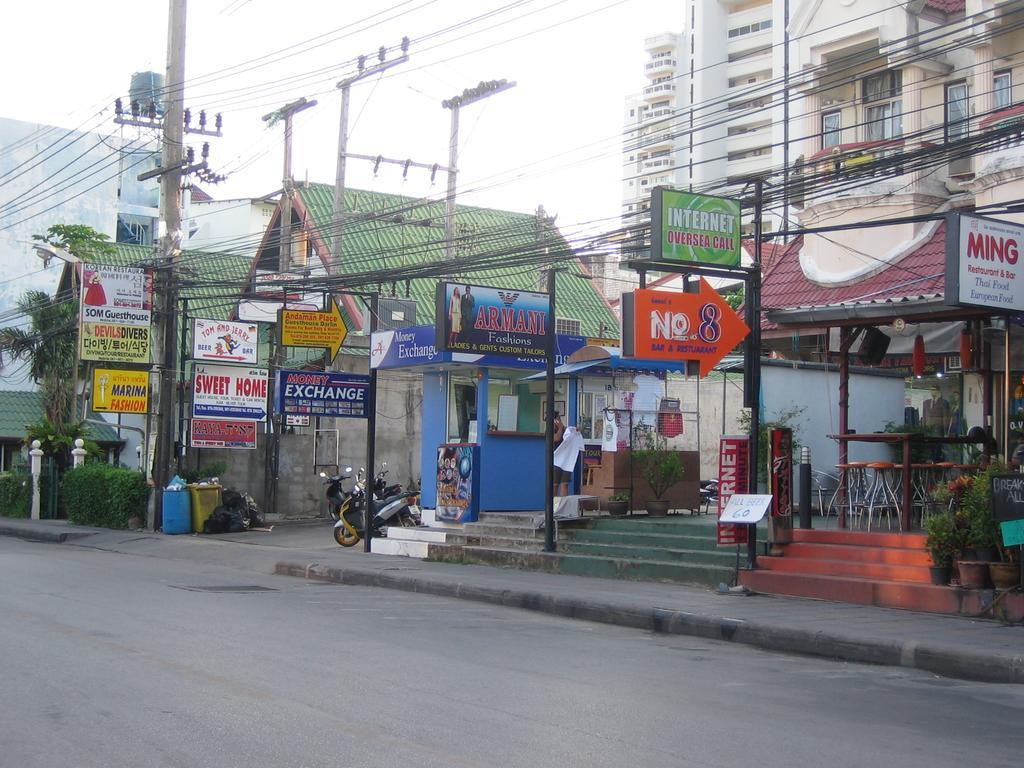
(569, 449)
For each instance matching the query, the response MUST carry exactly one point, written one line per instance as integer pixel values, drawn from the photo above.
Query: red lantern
(966, 351)
(918, 359)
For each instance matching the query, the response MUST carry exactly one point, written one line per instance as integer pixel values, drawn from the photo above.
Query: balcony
(1004, 157)
(661, 89)
(655, 163)
(752, 139)
(658, 114)
(659, 67)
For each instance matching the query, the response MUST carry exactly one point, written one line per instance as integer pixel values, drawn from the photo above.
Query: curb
(39, 533)
(943, 661)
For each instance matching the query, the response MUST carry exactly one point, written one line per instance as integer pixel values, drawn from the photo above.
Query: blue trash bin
(177, 514)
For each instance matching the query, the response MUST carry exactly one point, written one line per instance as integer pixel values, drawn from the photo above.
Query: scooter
(398, 509)
(338, 499)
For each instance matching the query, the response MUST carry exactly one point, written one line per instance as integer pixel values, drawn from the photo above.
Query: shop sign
(224, 340)
(296, 421)
(458, 483)
(476, 319)
(316, 330)
(733, 460)
(780, 470)
(405, 346)
(115, 314)
(592, 455)
(117, 391)
(983, 263)
(689, 227)
(229, 392)
(666, 325)
(218, 433)
(746, 509)
(315, 393)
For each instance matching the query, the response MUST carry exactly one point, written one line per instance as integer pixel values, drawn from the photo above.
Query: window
(831, 129)
(462, 427)
(956, 111)
(884, 110)
(1001, 85)
(746, 29)
(567, 326)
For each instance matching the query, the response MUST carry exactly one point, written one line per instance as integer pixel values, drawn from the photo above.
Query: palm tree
(47, 345)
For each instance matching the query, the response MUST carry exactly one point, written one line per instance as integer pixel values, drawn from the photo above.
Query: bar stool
(851, 490)
(881, 496)
(924, 478)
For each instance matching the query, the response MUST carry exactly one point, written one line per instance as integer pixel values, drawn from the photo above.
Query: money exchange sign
(115, 314)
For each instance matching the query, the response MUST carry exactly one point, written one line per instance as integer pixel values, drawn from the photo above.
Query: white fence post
(37, 469)
(78, 453)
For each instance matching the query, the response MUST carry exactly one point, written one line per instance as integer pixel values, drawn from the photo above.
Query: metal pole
(371, 436)
(549, 421)
(1007, 391)
(752, 363)
(449, 212)
(805, 487)
(339, 180)
(182, 355)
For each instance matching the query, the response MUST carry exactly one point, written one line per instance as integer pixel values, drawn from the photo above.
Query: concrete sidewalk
(974, 649)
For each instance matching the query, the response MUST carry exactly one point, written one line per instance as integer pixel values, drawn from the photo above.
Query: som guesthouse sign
(699, 228)
(491, 321)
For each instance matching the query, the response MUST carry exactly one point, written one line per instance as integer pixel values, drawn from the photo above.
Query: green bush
(104, 496)
(15, 494)
(205, 472)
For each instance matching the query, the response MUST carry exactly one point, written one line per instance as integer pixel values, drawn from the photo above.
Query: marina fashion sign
(983, 263)
(115, 314)
(688, 227)
(477, 319)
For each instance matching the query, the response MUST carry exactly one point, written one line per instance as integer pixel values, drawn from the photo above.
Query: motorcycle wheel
(345, 537)
(406, 520)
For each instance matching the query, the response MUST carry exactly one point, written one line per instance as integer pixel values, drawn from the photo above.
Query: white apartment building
(705, 115)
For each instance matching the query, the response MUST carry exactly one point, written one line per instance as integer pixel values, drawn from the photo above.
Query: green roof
(412, 234)
(19, 408)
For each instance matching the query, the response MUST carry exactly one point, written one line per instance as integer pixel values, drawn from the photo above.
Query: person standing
(468, 300)
(454, 317)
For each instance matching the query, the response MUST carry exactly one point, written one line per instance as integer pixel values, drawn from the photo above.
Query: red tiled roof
(199, 195)
(947, 6)
(920, 273)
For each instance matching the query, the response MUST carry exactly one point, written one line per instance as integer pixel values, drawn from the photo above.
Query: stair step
(863, 570)
(887, 555)
(658, 524)
(886, 594)
(588, 565)
(492, 529)
(657, 540)
(626, 551)
(861, 538)
(505, 518)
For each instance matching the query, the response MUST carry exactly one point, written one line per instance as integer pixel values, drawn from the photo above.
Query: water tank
(147, 88)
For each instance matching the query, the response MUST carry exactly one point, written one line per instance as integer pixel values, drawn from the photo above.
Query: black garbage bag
(224, 520)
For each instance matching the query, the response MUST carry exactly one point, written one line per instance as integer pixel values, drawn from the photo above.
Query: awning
(610, 359)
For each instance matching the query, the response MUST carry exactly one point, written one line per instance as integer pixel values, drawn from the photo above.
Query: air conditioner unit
(961, 166)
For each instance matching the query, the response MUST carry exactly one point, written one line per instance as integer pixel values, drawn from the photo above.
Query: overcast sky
(554, 139)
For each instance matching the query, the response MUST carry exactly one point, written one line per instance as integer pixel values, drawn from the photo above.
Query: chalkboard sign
(1008, 497)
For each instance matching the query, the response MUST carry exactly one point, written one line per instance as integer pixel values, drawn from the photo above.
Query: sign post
(315, 330)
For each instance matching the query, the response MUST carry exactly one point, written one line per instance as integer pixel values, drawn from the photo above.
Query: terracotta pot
(657, 508)
(973, 574)
(1004, 575)
(940, 574)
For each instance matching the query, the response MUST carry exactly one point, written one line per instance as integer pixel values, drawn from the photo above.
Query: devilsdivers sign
(312, 393)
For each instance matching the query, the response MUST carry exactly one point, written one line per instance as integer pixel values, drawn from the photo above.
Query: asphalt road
(119, 660)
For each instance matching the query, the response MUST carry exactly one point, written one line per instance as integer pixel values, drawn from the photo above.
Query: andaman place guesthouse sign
(491, 321)
(983, 263)
(689, 227)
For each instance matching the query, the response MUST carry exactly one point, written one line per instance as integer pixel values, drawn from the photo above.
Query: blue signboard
(416, 346)
(314, 393)
(491, 321)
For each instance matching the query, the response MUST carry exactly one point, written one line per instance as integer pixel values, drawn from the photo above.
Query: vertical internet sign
(700, 228)
(733, 460)
(116, 312)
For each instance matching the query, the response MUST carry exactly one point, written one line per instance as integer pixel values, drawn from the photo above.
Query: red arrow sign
(682, 326)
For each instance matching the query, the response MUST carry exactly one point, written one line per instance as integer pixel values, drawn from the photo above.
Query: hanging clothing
(568, 450)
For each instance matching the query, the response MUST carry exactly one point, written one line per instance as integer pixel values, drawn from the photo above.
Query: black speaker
(873, 347)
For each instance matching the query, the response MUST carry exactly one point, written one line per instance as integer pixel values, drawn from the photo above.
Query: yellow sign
(325, 330)
(115, 391)
(113, 343)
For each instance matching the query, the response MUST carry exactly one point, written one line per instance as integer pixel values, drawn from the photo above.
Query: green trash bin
(205, 499)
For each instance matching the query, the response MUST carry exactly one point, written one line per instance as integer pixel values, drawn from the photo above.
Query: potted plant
(661, 468)
(943, 543)
(617, 504)
(983, 535)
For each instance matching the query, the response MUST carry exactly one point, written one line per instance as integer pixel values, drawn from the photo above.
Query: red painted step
(886, 594)
(861, 538)
(845, 567)
(860, 554)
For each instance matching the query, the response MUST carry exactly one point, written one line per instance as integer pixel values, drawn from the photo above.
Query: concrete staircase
(676, 548)
(884, 569)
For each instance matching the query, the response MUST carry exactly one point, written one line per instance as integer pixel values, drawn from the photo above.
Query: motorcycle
(398, 508)
(708, 493)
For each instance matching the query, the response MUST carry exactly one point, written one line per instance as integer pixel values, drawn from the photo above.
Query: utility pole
(752, 362)
(345, 85)
(467, 97)
(161, 422)
(550, 350)
(284, 265)
(286, 113)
